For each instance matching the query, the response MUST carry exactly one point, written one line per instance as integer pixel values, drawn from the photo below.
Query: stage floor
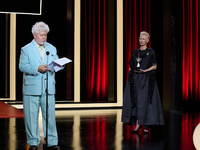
(103, 130)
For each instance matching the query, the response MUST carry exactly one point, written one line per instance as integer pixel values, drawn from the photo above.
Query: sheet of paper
(62, 61)
(57, 65)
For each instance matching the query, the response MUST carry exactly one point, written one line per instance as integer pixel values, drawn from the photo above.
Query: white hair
(145, 33)
(40, 26)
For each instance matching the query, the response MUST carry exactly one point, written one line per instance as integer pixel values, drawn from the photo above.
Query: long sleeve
(24, 64)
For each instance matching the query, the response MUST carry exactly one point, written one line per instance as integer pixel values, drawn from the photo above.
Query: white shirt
(41, 50)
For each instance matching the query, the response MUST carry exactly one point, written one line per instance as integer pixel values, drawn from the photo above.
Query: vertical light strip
(12, 136)
(40, 7)
(119, 52)
(118, 130)
(12, 56)
(77, 50)
(6, 58)
(76, 132)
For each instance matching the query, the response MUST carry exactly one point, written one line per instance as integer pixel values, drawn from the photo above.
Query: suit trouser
(31, 113)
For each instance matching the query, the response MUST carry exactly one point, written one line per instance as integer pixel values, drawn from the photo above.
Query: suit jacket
(34, 83)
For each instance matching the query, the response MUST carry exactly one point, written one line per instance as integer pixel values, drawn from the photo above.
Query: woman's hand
(153, 67)
(140, 71)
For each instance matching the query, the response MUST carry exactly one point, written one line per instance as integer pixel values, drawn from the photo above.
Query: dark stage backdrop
(98, 42)
(137, 18)
(59, 17)
(191, 50)
(22, 6)
(4, 57)
(94, 46)
(144, 15)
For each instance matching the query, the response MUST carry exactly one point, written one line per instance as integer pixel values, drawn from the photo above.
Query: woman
(142, 104)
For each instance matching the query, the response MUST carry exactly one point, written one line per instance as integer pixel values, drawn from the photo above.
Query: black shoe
(33, 147)
(55, 147)
(146, 130)
(136, 131)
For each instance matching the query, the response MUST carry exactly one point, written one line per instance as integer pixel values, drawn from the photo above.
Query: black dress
(141, 96)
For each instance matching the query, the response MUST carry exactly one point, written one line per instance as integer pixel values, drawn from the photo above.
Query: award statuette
(138, 59)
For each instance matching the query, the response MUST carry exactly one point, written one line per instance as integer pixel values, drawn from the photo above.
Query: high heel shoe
(146, 130)
(136, 131)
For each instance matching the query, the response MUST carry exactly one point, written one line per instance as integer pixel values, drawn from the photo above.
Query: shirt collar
(38, 46)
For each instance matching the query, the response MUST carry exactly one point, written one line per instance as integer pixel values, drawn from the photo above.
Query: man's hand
(43, 68)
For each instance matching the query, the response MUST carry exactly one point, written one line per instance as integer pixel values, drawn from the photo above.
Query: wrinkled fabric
(141, 99)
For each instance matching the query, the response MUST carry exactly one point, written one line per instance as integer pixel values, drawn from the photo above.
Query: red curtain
(96, 133)
(191, 39)
(96, 49)
(137, 18)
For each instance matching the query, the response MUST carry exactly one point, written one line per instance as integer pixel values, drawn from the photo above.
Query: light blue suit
(34, 92)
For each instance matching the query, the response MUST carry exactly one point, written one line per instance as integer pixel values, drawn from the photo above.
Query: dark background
(60, 35)
(20, 6)
(59, 17)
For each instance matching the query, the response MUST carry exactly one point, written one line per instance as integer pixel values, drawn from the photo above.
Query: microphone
(47, 53)
(47, 120)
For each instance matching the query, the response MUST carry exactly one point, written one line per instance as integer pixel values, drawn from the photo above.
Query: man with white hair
(33, 63)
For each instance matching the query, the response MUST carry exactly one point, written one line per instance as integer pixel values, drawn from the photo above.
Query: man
(33, 63)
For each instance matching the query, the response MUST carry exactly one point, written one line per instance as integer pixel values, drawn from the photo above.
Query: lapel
(47, 57)
(35, 52)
